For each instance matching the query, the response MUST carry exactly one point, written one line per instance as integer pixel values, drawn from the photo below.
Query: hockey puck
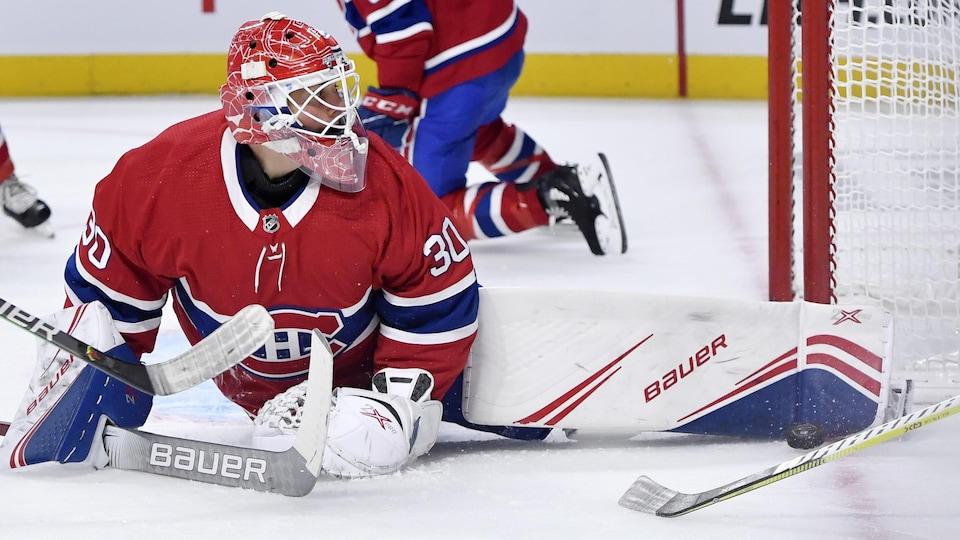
(805, 436)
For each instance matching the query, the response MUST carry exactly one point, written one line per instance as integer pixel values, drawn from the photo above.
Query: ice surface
(691, 176)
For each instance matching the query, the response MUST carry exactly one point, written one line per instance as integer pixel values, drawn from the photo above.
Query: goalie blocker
(614, 361)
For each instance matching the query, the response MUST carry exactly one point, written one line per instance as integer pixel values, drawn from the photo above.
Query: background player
(225, 210)
(446, 68)
(19, 200)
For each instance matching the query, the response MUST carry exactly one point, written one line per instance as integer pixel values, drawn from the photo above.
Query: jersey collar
(294, 211)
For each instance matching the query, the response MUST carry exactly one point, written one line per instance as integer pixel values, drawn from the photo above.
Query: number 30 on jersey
(446, 248)
(96, 242)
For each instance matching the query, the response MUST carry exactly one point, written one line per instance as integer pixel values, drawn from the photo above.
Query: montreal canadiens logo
(287, 354)
(271, 223)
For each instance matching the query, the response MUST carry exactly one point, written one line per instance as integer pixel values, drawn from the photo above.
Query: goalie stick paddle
(236, 339)
(292, 472)
(646, 495)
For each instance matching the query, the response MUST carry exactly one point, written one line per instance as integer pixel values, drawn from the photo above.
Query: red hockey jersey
(382, 273)
(428, 46)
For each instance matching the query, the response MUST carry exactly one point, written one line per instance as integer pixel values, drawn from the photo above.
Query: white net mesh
(896, 185)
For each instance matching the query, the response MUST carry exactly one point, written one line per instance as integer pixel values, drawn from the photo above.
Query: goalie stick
(236, 339)
(292, 472)
(646, 495)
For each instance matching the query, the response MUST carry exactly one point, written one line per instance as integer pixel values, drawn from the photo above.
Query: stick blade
(648, 496)
(236, 339)
(312, 435)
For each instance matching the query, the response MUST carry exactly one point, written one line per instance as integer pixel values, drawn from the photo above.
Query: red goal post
(864, 167)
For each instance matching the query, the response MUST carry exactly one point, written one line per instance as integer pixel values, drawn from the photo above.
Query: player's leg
(67, 403)
(563, 192)
(532, 189)
(18, 199)
(441, 145)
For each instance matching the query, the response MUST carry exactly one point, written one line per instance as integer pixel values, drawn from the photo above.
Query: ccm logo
(191, 459)
(671, 378)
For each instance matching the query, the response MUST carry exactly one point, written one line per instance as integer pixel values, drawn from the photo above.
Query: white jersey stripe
(399, 35)
(438, 338)
(529, 173)
(143, 305)
(474, 43)
(228, 162)
(386, 10)
(138, 327)
(440, 296)
(201, 305)
(350, 311)
(496, 215)
(515, 147)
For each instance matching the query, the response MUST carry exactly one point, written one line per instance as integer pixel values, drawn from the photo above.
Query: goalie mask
(291, 88)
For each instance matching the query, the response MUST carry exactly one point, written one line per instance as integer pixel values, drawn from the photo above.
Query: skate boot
(590, 201)
(21, 203)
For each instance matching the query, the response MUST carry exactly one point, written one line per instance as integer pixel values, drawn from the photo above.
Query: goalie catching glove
(369, 432)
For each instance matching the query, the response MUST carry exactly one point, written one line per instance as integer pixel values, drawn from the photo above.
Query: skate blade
(614, 238)
(608, 235)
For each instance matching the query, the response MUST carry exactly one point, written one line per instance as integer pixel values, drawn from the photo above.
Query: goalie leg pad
(67, 403)
(453, 412)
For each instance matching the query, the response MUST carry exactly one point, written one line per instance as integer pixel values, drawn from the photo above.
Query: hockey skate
(589, 199)
(20, 202)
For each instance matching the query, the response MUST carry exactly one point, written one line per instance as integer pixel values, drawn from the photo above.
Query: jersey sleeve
(107, 265)
(396, 35)
(429, 299)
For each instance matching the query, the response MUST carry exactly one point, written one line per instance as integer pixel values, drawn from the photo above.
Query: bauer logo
(684, 368)
(211, 463)
(21, 318)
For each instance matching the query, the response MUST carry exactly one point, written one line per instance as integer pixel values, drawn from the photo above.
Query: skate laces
(564, 193)
(283, 412)
(16, 196)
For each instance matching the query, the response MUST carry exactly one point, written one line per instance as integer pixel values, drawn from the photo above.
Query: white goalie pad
(615, 360)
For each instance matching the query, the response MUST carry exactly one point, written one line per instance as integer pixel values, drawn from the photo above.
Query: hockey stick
(236, 339)
(292, 472)
(646, 495)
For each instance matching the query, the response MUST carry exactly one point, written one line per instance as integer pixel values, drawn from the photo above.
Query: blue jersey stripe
(482, 215)
(413, 13)
(86, 292)
(205, 324)
(353, 17)
(449, 314)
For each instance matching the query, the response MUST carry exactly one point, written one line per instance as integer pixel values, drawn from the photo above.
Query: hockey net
(865, 110)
